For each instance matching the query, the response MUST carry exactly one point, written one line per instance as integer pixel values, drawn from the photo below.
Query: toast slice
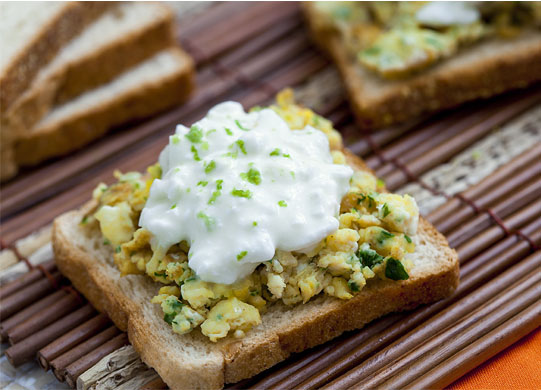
(127, 35)
(156, 84)
(482, 70)
(27, 47)
(32, 34)
(191, 360)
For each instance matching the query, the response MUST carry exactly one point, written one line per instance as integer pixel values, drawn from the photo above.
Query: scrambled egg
(373, 240)
(388, 39)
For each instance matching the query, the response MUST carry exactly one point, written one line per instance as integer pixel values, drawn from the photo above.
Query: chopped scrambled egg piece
(372, 241)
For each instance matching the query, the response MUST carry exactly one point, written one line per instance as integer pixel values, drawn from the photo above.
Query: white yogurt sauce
(238, 186)
(448, 13)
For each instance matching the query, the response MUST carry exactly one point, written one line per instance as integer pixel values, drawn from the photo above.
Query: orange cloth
(517, 367)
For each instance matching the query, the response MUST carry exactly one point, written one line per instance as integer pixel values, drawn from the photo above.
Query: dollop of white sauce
(238, 186)
(448, 13)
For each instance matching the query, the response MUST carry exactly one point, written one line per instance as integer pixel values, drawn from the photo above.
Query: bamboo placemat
(449, 162)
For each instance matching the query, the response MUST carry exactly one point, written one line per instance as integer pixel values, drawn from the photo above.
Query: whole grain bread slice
(154, 85)
(121, 38)
(479, 71)
(32, 33)
(191, 361)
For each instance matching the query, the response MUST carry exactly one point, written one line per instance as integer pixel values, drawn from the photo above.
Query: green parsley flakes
(210, 167)
(209, 221)
(252, 176)
(240, 126)
(385, 210)
(407, 238)
(195, 153)
(241, 255)
(275, 152)
(216, 193)
(175, 139)
(195, 134)
(240, 144)
(282, 203)
(241, 193)
(395, 270)
(228, 132)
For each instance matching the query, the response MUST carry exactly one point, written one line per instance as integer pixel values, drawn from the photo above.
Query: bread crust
(305, 326)
(59, 138)
(480, 71)
(87, 72)
(40, 50)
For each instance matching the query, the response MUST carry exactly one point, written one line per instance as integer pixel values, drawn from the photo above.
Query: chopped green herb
(240, 143)
(385, 210)
(160, 274)
(209, 221)
(241, 193)
(173, 206)
(240, 126)
(175, 139)
(176, 304)
(395, 270)
(252, 176)
(195, 134)
(195, 153)
(275, 152)
(216, 193)
(380, 183)
(117, 249)
(286, 155)
(203, 183)
(369, 257)
(384, 235)
(191, 279)
(210, 131)
(292, 174)
(228, 132)
(219, 317)
(353, 286)
(241, 255)
(371, 200)
(106, 242)
(169, 317)
(254, 293)
(210, 166)
(205, 145)
(84, 220)
(282, 203)
(254, 223)
(408, 239)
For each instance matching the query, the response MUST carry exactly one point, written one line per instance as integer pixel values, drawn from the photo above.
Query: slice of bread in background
(484, 69)
(191, 360)
(32, 33)
(156, 84)
(118, 40)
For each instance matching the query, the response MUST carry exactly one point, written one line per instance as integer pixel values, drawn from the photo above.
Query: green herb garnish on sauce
(282, 203)
(210, 166)
(241, 255)
(195, 134)
(252, 176)
(240, 126)
(241, 193)
(395, 270)
(209, 221)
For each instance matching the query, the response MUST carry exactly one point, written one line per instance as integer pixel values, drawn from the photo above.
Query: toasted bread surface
(158, 83)
(191, 360)
(479, 71)
(124, 37)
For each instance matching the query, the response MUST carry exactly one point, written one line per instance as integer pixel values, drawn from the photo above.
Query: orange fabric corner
(517, 367)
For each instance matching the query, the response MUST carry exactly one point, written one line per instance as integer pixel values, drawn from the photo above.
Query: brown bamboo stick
(492, 181)
(24, 314)
(22, 298)
(432, 136)
(293, 374)
(495, 195)
(27, 348)
(25, 280)
(72, 339)
(59, 363)
(525, 287)
(464, 337)
(481, 350)
(524, 198)
(416, 318)
(442, 153)
(515, 221)
(46, 316)
(76, 368)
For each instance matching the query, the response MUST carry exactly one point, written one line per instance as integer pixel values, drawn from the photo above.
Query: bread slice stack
(121, 65)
